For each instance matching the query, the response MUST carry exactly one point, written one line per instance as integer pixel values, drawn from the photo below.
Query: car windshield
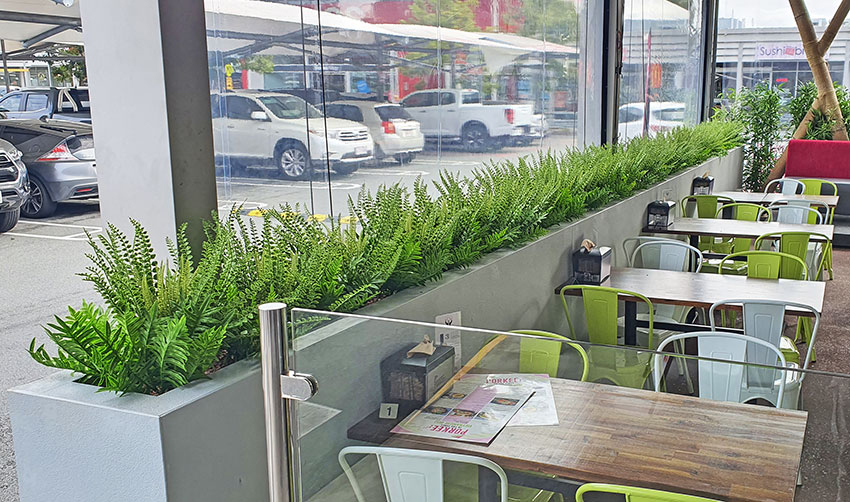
(471, 98)
(670, 114)
(290, 107)
(392, 112)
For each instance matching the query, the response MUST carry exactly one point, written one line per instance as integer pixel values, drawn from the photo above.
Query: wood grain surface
(724, 451)
(702, 290)
(735, 228)
(767, 198)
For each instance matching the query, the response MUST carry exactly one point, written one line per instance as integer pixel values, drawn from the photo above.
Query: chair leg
(682, 364)
(804, 331)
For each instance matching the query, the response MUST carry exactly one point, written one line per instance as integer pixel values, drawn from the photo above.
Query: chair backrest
(600, 311)
(631, 243)
(634, 494)
(717, 380)
(414, 475)
(786, 186)
(668, 255)
(540, 356)
(706, 205)
(765, 320)
(744, 211)
(799, 211)
(769, 265)
(814, 186)
(797, 244)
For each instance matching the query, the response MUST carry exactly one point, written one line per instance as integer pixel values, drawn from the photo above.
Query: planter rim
(62, 386)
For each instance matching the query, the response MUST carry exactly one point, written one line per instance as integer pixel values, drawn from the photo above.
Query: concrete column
(149, 86)
(845, 78)
(739, 69)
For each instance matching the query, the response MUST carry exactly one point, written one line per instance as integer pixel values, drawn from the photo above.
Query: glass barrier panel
(627, 433)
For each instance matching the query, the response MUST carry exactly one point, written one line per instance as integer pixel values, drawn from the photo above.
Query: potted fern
(155, 385)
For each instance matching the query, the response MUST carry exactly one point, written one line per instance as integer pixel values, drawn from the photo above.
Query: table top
(702, 290)
(736, 228)
(767, 198)
(609, 434)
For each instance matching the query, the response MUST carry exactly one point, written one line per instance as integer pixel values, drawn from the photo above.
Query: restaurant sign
(774, 51)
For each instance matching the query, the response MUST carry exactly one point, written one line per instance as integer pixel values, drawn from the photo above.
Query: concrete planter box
(206, 441)
(202, 442)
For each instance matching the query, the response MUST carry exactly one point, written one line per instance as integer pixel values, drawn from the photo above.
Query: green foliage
(821, 125)
(258, 63)
(168, 323)
(457, 14)
(552, 20)
(759, 110)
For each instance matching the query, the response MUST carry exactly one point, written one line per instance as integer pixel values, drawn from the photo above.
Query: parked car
(461, 115)
(263, 127)
(11, 88)
(60, 159)
(663, 116)
(52, 103)
(395, 132)
(13, 185)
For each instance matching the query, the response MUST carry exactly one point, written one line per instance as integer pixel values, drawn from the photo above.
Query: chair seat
(789, 350)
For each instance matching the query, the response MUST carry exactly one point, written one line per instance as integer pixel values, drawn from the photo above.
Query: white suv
(255, 127)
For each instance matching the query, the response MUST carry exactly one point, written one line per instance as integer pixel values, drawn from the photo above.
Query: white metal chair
(787, 186)
(631, 243)
(718, 380)
(797, 211)
(765, 320)
(414, 475)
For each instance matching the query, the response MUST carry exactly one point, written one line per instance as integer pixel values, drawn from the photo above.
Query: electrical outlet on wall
(448, 336)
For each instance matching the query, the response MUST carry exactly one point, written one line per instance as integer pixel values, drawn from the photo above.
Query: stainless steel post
(5, 64)
(272, 348)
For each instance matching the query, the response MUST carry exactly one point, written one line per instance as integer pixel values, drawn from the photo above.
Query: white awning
(25, 23)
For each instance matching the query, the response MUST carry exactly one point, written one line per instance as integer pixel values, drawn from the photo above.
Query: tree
(457, 14)
(74, 67)
(827, 101)
(551, 20)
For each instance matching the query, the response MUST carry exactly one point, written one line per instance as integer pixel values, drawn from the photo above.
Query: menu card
(475, 409)
(540, 408)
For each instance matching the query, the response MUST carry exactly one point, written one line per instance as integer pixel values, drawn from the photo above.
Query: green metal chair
(543, 356)
(741, 211)
(773, 265)
(706, 207)
(633, 494)
(623, 367)
(799, 245)
(814, 186)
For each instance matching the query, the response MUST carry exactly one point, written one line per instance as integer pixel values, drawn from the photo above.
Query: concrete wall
(512, 289)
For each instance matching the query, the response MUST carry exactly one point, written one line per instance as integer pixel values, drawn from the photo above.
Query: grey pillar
(739, 69)
(149, 85)
(5, 64)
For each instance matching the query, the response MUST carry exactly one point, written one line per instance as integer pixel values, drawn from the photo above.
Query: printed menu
(475, 409)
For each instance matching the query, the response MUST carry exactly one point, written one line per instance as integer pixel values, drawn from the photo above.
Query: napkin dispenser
(660, 214)
(702, 185)
(411, 381)
(592, 265)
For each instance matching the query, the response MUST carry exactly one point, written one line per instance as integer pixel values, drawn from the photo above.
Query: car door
(242, 135)
(422, 106)
(35, 106)
(11, 105)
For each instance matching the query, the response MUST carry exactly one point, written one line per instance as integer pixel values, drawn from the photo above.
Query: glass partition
(371, 395)
(315, 101)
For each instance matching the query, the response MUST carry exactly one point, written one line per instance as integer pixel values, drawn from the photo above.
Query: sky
(765, 13)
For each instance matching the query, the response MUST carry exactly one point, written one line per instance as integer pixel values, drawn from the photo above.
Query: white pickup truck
(460, 115)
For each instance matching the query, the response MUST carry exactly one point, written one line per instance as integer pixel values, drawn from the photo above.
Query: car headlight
(16, 154)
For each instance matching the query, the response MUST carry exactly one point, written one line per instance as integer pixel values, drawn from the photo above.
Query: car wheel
(39, 204)
(346, 169)
(292, 162)
(404, 158)
(9, 219)
(475, 138)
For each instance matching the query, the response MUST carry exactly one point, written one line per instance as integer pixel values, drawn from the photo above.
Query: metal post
(5, 64)
(272, 346)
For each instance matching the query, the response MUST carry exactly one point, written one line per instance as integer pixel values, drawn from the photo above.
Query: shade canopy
(30, 23)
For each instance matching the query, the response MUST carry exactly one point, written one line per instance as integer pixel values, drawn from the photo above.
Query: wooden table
(766, 198)
(703, 290)
(735, 228)
(609, 434)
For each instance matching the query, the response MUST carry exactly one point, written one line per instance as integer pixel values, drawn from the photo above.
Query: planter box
(206, 441)
(202, 442)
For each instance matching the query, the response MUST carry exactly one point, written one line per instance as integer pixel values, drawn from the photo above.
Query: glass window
(18, 135)
(286, 106)
(631, 114)
(36, 102)
(240, 108)
(447, 98)
(347, 112)
(421, 99)
(670, 114)
(392, 112)
(471, 97)
(11, 103)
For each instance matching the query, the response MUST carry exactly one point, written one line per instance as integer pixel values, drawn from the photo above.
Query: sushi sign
(780, 51)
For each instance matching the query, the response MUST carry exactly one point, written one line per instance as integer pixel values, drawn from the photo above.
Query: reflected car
(395, 132)
(13, 185)
(663, 116)
(60, 161)
(261, 127)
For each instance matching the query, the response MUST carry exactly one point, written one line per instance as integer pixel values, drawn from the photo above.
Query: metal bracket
(298, 386)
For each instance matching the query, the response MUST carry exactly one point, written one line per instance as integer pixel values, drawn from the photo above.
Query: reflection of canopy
(654, 10)
(27, 23)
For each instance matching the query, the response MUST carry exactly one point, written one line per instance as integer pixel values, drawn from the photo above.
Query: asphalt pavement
(41, 258)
